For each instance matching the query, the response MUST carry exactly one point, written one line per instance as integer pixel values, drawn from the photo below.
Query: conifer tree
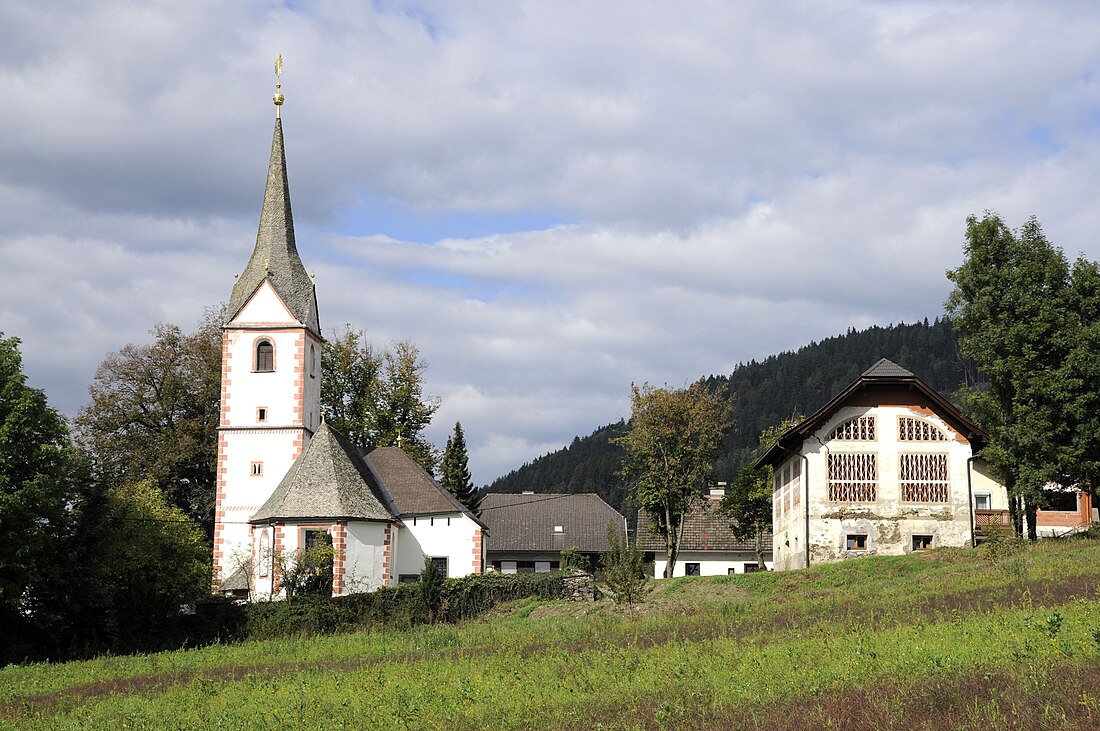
(456, 472)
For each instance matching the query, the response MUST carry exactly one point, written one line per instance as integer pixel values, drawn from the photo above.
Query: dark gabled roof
(704, 530)
(328, 480)
(275, 257)
(526, 522)
(411, 490)
(884, 373)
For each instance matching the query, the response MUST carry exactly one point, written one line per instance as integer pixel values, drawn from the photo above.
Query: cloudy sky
(551, 199)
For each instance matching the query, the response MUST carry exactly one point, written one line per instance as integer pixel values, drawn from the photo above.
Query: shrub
(623, 567)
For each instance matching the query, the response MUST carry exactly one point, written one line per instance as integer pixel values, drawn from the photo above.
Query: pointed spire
(275, 257)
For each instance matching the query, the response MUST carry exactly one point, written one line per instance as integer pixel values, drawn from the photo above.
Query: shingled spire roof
(328, 480)
(275, 257)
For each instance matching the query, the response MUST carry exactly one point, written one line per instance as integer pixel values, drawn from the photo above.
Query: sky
(552, 200)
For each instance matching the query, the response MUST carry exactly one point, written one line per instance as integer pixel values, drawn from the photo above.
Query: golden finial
(277, 97)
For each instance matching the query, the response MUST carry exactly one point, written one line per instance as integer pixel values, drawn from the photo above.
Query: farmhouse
(888, 466)
(285, 478)
(528, 532)
(708, 546)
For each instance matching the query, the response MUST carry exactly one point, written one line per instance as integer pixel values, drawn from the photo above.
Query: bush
(623, 567)
(404, 605)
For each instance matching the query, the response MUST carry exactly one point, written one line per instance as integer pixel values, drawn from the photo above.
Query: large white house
(888, 466)
(283, 474)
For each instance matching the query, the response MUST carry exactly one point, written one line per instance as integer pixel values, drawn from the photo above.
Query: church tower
(271, 370)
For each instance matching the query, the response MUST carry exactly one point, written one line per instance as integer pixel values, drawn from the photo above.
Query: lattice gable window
(859, 429)
(853, 477)
(918, 430)
(924, 478)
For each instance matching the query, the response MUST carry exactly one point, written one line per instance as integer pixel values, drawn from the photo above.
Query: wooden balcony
(989, 523)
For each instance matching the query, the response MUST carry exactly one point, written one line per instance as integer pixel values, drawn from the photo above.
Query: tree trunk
(1030, 511)
(671, 544)
(1014, 514)
(759, 546)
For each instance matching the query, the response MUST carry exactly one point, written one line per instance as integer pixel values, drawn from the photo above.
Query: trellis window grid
(924, 478)
(917, 430)
(853, 477)
(859, 429)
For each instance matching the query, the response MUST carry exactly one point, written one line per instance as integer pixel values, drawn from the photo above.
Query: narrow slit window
(261, 414)
(257, 469)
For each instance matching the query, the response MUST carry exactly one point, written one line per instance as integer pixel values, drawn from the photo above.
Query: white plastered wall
(448, 534)
(364, 556)
(711, 563)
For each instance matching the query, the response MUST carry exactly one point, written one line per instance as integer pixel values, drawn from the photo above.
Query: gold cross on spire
(277, 97)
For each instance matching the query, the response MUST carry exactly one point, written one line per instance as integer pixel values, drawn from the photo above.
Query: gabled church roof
(328, 480)
(275, 257)
(411, 490)
(887, 374)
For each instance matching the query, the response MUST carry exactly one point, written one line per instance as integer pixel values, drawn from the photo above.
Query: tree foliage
(154, 413)
(40, 480)
(1028, 319)
(455, 472)
(673, 439)
(376, 398)
(748, 501)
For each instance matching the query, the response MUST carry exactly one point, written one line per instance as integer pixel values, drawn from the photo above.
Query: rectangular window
(1061, 500)
(508, 567)
(261, 413)
(312, 537)
(922, 543)
(924, 478)
(257, 469)
(856, 542)
(691, 569)
(408, 578)
(559, 530)
(751, 568)
(440, 563)
(542, 567)
(983, 501)
(731, 572)
(853, 477)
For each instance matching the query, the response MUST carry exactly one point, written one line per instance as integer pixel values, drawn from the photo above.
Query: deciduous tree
(1026, 318)
(376, 398)
(154, 414)
(748, 501)
(673, 439)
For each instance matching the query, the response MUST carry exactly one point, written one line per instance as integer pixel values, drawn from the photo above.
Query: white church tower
(271, 372)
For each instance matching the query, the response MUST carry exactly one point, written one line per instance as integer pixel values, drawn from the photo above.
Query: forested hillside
(763, 393)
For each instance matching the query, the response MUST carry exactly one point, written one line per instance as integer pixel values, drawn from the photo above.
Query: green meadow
(1006, 636)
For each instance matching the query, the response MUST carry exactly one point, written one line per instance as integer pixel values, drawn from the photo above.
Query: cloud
(591, 195)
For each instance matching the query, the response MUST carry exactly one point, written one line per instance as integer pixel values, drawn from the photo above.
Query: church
(284, 477)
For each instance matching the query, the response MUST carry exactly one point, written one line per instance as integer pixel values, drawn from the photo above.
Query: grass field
(1006, 637)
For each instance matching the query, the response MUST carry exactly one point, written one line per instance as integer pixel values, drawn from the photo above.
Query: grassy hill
(1006, 636)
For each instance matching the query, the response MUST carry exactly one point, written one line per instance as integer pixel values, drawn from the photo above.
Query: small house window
(440, 563)
(257, 469)
(922, 543)
(559, 529)
(265, 356)
(691, 569)
(751, 568)
(542, 567)
(408, 578)
(982, 501)
(857, 542)
(508, 567)
(261, 414)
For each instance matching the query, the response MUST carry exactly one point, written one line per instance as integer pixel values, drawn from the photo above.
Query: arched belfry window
(265, 356)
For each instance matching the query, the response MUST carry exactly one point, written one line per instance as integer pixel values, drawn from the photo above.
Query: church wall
(432, 536)
(364, 559)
